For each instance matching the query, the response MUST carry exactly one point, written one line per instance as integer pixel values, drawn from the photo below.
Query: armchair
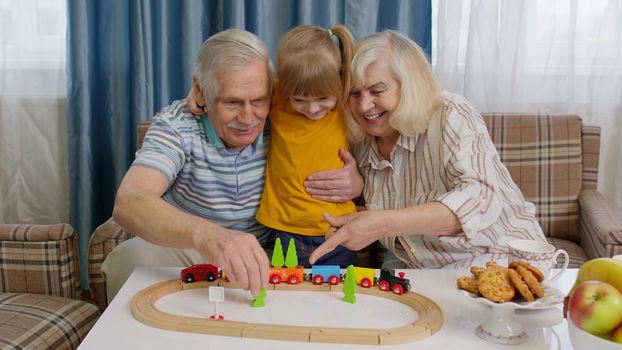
(554, 161)
(40, 306)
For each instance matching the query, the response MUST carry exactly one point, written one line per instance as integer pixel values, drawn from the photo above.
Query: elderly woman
(436, 191)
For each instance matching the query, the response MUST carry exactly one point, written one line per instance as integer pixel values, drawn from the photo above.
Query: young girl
(307, 131)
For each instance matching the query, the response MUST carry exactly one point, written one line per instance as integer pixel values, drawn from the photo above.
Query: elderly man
(193, 191)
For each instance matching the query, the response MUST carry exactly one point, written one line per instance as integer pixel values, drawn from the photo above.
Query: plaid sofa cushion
(543, 156)
(35, 321)
(590, 144)
(576, 254)
(39, 259)
(105, 238)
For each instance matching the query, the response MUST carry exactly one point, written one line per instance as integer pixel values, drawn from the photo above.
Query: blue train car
(325, 273)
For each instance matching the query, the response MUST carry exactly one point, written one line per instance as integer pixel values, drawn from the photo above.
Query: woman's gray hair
(420, 92)
(226, 49)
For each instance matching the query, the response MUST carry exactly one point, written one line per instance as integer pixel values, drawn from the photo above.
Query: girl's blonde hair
(310, 63)
(420, 92)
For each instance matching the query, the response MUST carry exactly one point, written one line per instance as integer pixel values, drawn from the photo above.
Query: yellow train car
(365, 276)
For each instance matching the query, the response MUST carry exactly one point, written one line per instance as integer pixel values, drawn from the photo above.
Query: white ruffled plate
(552, 297)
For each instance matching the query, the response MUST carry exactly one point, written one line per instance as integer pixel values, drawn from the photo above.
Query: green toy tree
(291, 258)
(349, 286)
(259, 300)
(277, 254)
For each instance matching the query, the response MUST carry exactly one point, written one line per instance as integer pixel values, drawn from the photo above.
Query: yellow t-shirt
(300, 146)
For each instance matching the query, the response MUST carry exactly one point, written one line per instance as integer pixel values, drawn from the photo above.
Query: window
(32, 47)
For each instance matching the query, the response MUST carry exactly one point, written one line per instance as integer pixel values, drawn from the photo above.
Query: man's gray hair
(226, 49)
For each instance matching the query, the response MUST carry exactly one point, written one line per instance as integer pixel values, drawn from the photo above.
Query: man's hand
(239, 255)
(354, 231)
(337, 185)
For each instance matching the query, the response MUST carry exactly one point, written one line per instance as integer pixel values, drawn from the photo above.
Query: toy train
(331, 274)
(292, 275)
(398, 284)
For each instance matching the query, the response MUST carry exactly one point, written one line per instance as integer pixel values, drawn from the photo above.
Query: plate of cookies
(517, 286)
(505, 289)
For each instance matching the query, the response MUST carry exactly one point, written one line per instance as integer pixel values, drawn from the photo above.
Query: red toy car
(199, 272)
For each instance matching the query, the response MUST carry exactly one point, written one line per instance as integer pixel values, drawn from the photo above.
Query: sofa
(552, 158)
(554, 161)
(40, 293)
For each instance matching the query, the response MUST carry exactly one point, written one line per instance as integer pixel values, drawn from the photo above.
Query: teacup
(539, 254)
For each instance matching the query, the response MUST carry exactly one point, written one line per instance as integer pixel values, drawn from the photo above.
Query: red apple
(596, 307)
(616, 335)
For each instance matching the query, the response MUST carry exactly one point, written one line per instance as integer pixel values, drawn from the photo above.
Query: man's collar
(214, 139)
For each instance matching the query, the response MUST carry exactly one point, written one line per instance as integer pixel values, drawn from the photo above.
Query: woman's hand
(354, 231)
(337, 185)
(358, 230)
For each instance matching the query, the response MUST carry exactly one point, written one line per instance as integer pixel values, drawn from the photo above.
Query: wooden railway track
(430, 318)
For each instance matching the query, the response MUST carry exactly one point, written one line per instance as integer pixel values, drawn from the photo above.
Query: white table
(117, 329)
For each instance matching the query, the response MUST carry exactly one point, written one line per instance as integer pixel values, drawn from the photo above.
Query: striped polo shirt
(453, 162)
(205, 178)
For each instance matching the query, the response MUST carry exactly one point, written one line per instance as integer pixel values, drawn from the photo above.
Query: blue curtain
(128, 58)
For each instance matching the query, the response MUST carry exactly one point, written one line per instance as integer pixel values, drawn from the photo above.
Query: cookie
(467, 283)
(536, 271)
(531, 281)
(492, 265)
(495, 285)
(476, 270)
(520, 285)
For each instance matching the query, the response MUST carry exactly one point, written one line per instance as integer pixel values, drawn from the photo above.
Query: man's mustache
(242, 126)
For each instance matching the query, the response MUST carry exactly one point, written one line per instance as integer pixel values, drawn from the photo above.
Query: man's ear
(198, 93)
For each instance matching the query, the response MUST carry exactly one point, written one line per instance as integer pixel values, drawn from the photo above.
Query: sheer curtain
(33, 131)
(544, 56)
